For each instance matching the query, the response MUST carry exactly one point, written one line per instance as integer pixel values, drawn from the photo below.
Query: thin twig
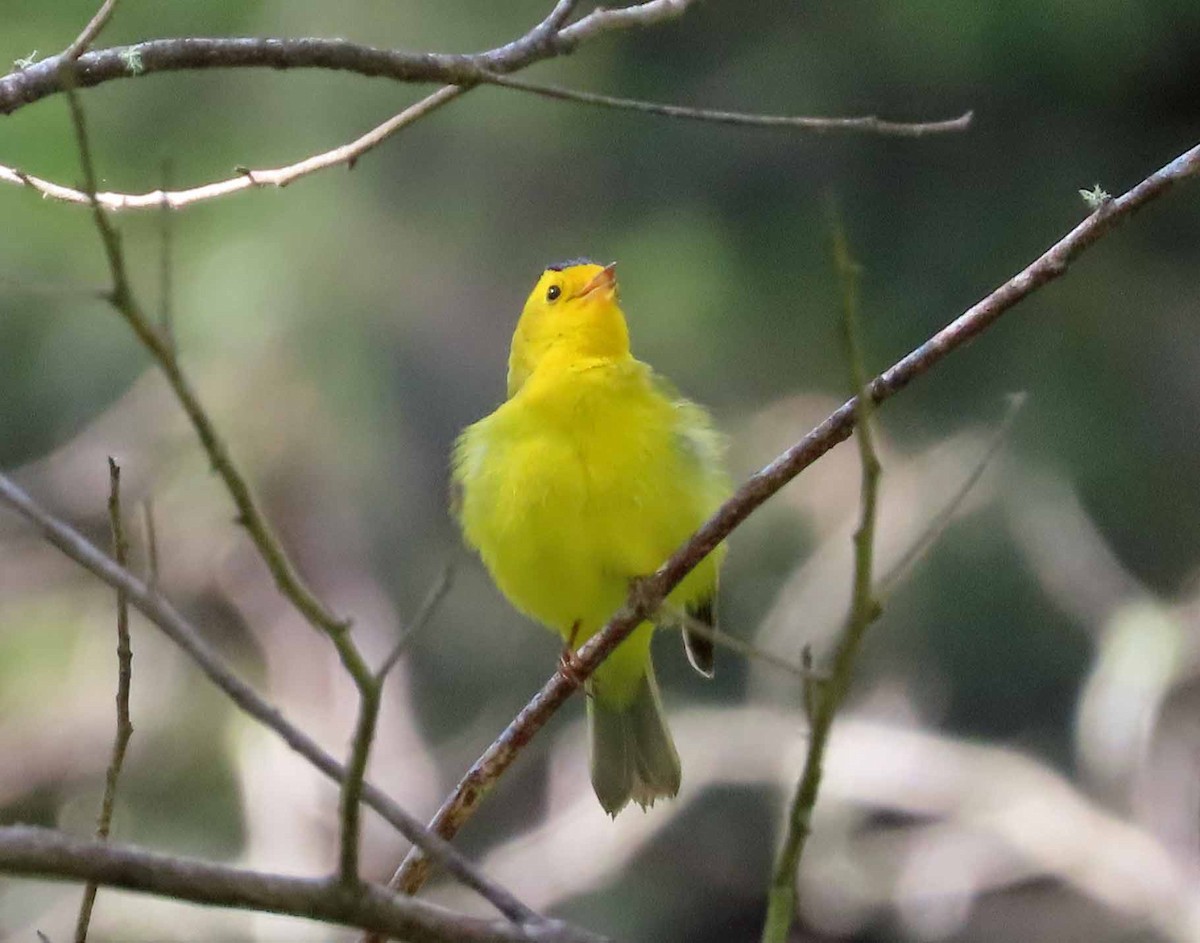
(124, 678)
(822, 700)
(151, 530)
(159, 611)
(429, 606)
(166, 229)
(90, 32)
(44, 853)
(350, 798)
(942, 519)
(675, 617)
(648, 594)
(866, 124)
(604, 19)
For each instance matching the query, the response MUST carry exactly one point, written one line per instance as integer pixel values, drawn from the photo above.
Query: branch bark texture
(43, 853)
(40, 80)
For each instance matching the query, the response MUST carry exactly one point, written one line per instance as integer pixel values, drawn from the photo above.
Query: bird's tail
(633, 755)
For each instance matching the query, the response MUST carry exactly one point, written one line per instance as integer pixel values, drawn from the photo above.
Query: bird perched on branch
(588, 477)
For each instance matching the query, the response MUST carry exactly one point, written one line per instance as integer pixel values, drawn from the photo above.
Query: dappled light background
(1019, 756)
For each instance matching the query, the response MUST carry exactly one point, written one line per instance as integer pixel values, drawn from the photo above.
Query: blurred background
(1019, 757)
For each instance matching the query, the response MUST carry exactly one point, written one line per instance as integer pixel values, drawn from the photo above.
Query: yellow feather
(590, 475)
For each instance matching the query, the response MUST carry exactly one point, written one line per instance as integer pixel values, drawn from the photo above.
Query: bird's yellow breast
(586, 478)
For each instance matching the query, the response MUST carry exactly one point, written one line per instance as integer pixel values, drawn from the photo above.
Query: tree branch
(868, 124)
(461, 804)
(43, 853)
(40, 80)
(823, 698)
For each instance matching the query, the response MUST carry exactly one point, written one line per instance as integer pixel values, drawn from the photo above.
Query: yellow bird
(589, 476)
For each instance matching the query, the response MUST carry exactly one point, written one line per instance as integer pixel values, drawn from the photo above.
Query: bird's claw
(570, 665)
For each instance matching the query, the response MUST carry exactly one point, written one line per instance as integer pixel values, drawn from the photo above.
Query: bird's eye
(553, 292)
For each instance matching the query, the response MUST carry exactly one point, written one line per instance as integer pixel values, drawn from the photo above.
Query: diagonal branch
(43, 853)
(648, 595)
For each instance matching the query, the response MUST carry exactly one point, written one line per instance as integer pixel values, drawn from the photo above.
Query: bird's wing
(466, 460)
(700, 449)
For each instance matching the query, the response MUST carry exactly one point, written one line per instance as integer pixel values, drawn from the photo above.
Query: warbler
(587, 477)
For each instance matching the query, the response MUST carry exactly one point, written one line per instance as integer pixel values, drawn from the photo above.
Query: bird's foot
(641, 596)
(570, 666)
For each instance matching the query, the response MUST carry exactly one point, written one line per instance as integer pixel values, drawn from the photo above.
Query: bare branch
(602, 20)
(867, 125)
(42, 853)
(124, 678)
(349, 808)
(39, 80)
(42, 79)
(478, 781)
(822, 700)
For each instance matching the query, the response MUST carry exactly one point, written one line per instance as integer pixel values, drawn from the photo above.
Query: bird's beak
(606, 278)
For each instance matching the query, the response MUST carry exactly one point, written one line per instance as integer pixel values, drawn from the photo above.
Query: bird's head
(573, 314)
